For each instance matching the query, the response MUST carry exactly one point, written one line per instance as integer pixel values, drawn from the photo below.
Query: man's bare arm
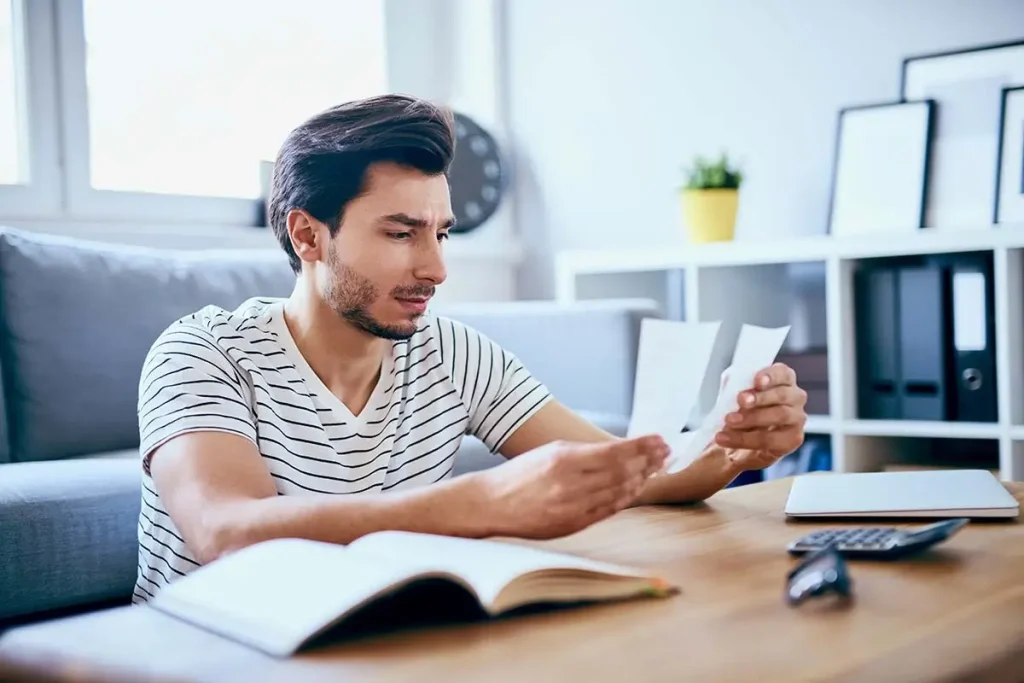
(555, 422)
(221, 497)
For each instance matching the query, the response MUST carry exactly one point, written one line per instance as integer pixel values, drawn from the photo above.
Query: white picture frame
(880, 171)
(966, 86)
(1009, 202)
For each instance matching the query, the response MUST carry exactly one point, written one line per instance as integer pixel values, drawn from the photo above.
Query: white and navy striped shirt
(240, 372)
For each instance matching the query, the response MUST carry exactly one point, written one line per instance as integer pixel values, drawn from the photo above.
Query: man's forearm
(703, 478)
(456, 507)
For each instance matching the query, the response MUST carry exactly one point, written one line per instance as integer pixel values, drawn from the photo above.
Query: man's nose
(430, 263)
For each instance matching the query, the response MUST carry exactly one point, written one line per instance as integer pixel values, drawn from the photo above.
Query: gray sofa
(76, 320)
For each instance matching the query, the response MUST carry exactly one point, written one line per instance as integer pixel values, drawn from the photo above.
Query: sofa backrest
(77, 319)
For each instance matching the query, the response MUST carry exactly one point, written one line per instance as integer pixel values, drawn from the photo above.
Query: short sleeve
(188, 384)
(496, 387)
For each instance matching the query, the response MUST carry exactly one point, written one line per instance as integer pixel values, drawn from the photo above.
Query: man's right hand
(563, 487)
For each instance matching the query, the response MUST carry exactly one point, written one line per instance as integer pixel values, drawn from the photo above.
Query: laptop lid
(929, 493)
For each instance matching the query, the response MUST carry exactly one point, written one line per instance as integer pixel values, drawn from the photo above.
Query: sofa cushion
(5, 451)
(87, 512)
(78, 319)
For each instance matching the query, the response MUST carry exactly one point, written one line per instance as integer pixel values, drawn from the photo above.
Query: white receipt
(756, 349)
(672, 361)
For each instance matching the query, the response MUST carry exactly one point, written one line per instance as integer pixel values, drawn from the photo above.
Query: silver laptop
(927, 493)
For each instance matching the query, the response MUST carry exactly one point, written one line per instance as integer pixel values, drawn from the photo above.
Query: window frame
(38, 117)
(85, 201)
(55, 131)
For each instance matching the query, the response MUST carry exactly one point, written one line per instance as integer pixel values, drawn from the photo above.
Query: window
(164, 112)
(12, 153)
(187, 97)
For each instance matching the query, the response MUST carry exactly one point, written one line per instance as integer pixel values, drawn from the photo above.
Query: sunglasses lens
(820, 573)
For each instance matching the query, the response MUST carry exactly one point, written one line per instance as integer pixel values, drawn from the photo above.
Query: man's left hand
(769, 423)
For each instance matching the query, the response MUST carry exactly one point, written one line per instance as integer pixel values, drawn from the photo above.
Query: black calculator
(877, 542)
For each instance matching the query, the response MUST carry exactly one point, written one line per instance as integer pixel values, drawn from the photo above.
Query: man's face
(385, 261)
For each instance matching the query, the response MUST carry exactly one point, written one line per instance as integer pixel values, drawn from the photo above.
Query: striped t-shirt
(240, 372)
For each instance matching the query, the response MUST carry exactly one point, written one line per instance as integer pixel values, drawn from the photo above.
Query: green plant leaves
(706, 174)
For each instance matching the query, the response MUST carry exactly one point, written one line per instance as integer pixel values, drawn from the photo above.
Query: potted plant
(710, 199)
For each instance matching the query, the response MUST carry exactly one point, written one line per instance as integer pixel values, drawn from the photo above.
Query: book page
(671, 364)
(756, 349)
(488, 565)
(276, 594)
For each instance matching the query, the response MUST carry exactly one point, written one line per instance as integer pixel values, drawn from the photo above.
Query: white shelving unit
(808, 283)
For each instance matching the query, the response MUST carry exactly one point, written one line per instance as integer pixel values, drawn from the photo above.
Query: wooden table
(955, 613)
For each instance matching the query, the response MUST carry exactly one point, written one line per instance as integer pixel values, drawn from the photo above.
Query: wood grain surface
(954, 613)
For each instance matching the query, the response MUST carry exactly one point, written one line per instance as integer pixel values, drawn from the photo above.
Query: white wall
(609, 98)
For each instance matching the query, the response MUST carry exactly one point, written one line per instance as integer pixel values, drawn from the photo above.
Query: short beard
(351, 295)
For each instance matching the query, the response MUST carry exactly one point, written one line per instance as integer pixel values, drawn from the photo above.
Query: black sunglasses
(820, 573)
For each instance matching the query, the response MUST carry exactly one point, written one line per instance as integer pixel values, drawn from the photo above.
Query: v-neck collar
(316, 385)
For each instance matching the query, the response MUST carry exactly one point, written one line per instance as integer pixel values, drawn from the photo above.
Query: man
(338, 411)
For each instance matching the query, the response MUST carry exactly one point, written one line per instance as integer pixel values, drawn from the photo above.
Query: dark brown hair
(322, 164)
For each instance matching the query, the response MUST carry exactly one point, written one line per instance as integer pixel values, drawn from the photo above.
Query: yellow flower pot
(710, 215)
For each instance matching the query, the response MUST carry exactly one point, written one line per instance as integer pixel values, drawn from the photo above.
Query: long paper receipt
(671, 364)
(671, 367)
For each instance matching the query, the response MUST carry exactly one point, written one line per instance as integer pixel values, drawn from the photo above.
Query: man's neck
(345, 358)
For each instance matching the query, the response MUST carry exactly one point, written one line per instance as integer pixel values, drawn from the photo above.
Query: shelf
(792, 250)
(922, 428)
(809, 284)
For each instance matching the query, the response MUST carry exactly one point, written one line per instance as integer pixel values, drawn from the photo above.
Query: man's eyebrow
(407, 220)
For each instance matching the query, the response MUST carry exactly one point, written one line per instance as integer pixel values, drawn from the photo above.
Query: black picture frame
(926, 158)
(973, 188)
(1005, 96)
(985, 47)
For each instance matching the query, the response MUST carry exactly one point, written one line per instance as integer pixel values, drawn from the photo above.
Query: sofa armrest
(68, 533)
(474, 456)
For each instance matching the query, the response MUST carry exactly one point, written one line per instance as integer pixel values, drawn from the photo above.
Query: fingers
(777, 375)
(779, 441)
(607, 477)
(784, 395)
(770, 417)
(643, 453)
(602, 478)
(777, 416)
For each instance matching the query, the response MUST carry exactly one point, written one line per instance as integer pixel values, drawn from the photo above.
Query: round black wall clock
(478, 175)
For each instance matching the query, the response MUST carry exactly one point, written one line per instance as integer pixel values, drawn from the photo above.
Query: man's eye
(401, 235)
(442, 236)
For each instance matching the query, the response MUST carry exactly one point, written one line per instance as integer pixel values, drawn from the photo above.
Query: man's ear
(308, 235)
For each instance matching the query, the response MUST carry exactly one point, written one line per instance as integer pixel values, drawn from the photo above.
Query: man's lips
(416, 303)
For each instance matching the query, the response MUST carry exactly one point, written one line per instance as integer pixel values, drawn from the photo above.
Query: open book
(279, 595)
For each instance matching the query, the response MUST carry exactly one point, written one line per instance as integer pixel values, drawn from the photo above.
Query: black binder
(971, 292)
(877, 339)
(923, 356)
(925, 338)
